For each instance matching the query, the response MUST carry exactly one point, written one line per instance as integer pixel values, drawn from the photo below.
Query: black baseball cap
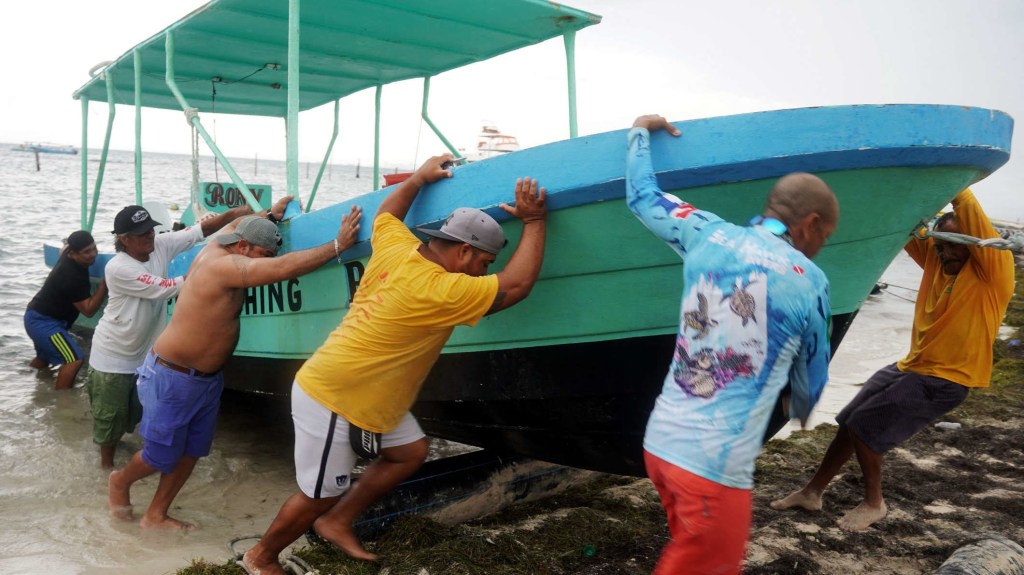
(134, 220)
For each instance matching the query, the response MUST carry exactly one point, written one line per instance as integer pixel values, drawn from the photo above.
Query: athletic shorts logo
(341, 481)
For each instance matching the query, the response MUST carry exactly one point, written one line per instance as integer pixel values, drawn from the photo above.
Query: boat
(569, 375)
(45, 148)
(491, 142)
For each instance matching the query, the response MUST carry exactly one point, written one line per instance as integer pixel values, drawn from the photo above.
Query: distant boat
(491, 142)
(45, 148)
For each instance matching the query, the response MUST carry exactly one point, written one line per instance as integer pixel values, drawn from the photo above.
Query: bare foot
(38, 363)
(254, 567)
(808, 500)
(342, 535)
(862, 516)
(118, 498)
(165, 522)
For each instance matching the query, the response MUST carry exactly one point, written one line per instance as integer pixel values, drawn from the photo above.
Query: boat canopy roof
(240, 49)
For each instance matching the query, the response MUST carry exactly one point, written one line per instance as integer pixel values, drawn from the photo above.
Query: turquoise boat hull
(569, 375)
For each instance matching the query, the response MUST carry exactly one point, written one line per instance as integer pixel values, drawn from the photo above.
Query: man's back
(370, 368)
(753, 319)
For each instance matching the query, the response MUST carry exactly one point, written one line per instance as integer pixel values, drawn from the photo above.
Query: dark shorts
(114, 400)
(179, 413)
(894, 405)
(51, 339)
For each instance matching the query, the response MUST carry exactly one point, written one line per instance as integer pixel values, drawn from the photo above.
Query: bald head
(797, 195)
(807, 206)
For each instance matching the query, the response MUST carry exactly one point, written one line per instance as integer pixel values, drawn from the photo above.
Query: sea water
(53, 512)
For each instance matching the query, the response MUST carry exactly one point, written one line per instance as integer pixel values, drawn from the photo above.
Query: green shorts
(115, 405)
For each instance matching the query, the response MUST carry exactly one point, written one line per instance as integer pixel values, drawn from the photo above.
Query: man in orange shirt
(352, 397)
(963, 296)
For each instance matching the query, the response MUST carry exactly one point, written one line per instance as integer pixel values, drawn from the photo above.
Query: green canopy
(239, 48)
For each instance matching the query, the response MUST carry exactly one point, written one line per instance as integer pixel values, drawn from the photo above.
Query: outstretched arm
(520, 274)
(242, 271)
(668, 217)
(230, 218)
(399, 201)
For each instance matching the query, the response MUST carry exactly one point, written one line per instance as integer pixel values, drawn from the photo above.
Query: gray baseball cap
(255, 230)
(471, 226)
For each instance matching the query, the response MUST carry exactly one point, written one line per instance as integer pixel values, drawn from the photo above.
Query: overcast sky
(683, 60)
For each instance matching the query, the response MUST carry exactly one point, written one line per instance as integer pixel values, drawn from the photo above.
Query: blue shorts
(179, 413)
(51, 338)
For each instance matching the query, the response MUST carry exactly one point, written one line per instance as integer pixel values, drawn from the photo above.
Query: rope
(1013, 242)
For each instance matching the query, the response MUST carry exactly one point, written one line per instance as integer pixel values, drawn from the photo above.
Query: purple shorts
(179, 413)
(894, 405)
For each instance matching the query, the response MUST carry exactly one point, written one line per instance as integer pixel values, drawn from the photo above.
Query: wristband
(337, 252)
(270, 216)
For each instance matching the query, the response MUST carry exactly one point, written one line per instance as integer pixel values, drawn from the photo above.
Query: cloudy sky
(683, 60)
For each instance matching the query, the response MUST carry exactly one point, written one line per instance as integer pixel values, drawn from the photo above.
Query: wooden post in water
(357, 167)
(37, 160)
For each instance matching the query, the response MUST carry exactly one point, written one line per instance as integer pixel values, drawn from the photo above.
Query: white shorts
(323, 457)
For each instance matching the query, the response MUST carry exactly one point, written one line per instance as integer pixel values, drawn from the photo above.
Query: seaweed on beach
(944, 489)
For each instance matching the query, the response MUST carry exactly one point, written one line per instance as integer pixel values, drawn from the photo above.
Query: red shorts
(709, 522)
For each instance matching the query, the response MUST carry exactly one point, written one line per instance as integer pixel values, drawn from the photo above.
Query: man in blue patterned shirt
(754, 320)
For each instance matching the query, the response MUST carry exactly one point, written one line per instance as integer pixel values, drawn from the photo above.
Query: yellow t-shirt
(957, 318)
(371, 367)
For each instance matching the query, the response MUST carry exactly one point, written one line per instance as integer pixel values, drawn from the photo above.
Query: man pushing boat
(352, 397)
(961, 302)
(754, 321)
(180, 382)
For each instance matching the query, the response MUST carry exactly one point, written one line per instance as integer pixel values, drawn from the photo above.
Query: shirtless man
(181, 381)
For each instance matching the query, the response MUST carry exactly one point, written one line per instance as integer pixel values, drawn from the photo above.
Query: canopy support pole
(85, 162)
(192, 116)
(292, 133)
(327, 158)
(111, 112)
(376, 138)
(570, 62)
(138, 125)
(426, 118)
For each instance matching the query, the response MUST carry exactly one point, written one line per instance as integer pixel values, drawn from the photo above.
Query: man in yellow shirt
(963, 296)
(352, 397)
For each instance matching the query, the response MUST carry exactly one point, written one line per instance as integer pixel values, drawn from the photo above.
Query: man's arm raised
(230, 217)
(399, 201)
(520, 274)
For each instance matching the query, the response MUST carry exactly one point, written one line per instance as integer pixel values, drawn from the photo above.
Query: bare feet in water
(165, 522)
(255, 567)
(118, 498)
(344, 537)
(862, 516)
(808, 500)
